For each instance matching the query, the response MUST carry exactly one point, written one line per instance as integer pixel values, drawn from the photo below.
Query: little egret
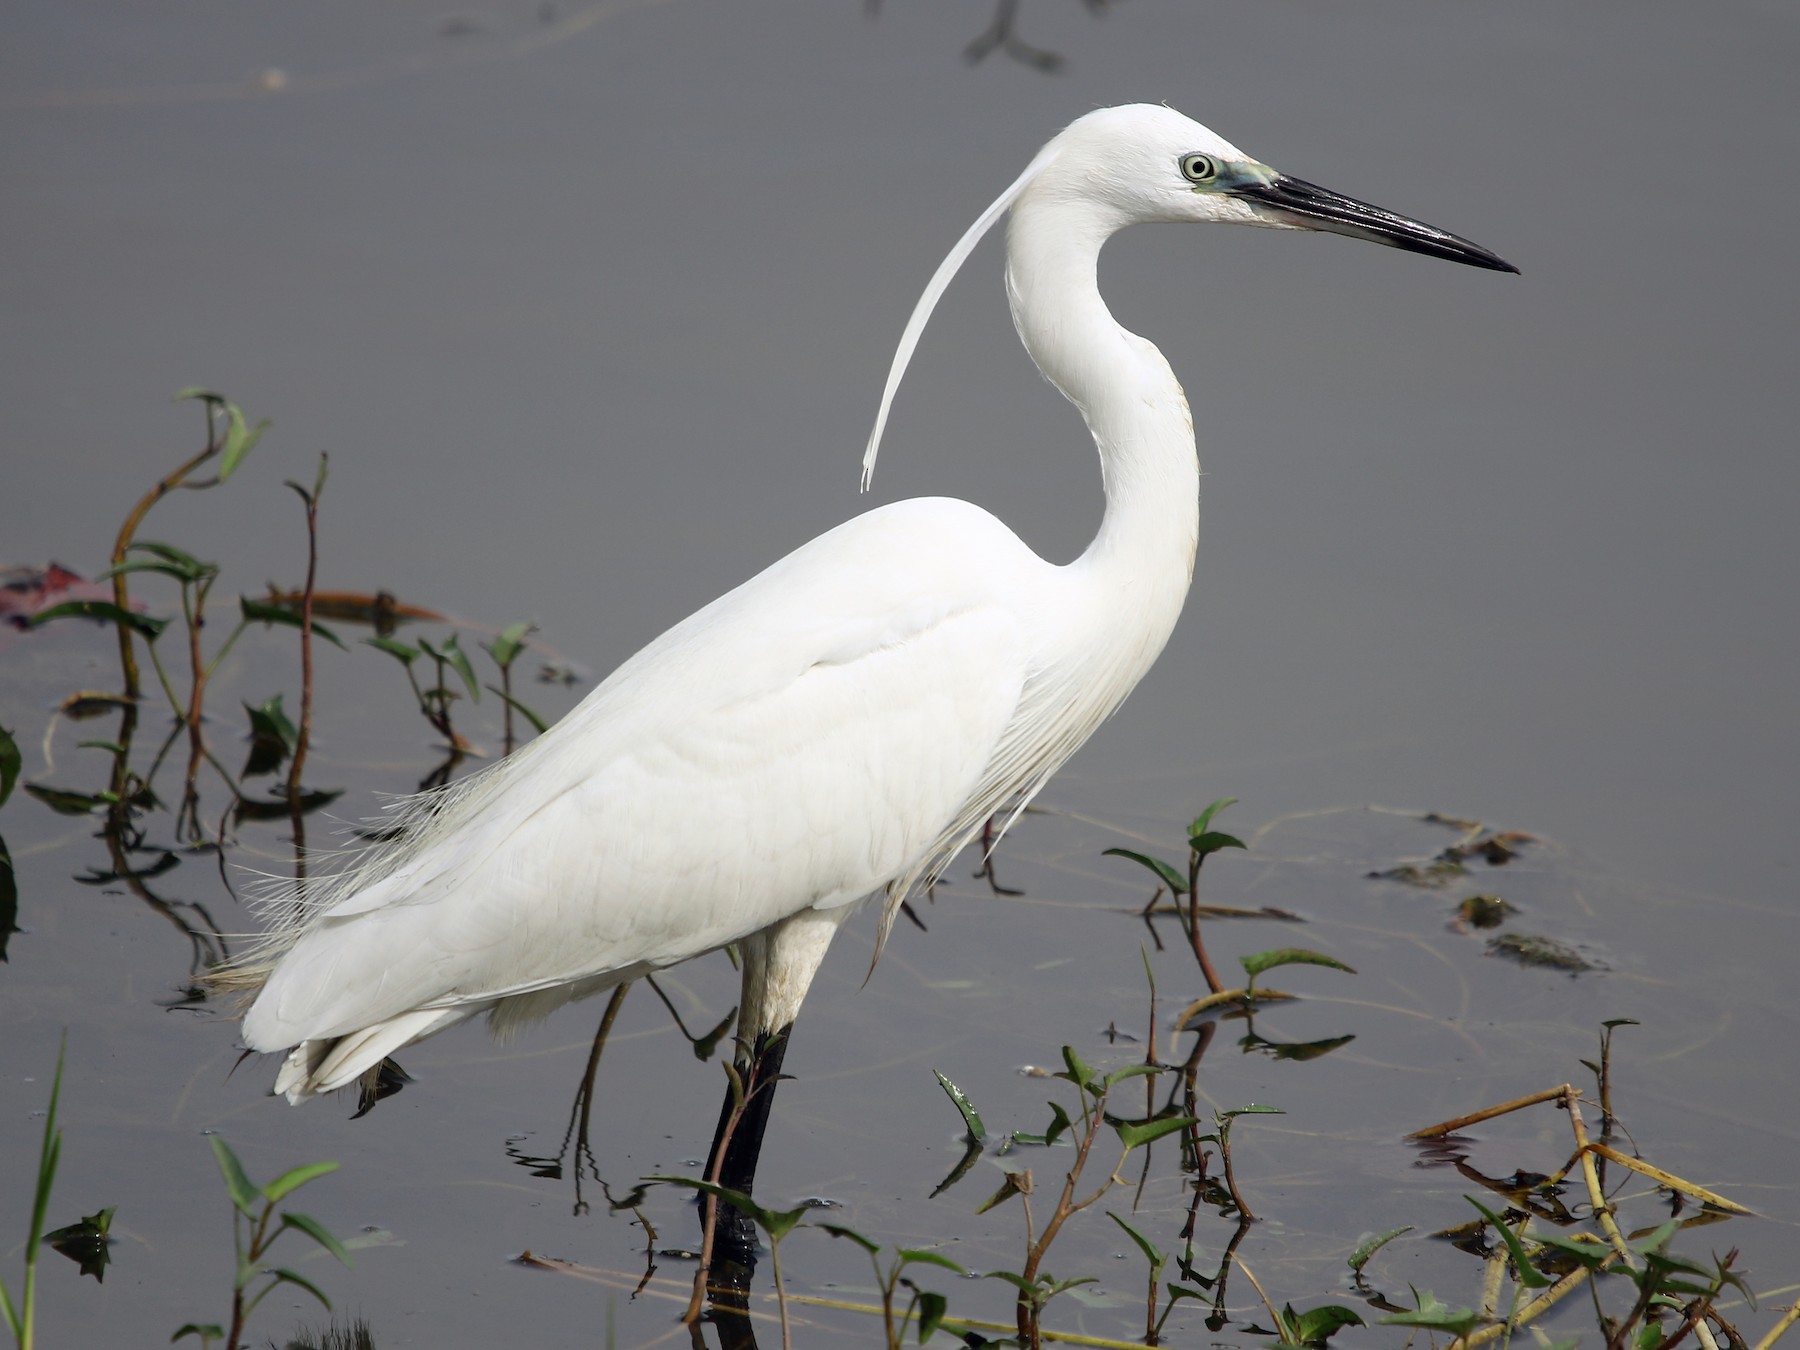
(837, 727)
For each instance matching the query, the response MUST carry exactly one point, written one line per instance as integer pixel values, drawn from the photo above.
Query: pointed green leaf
(1018, 1282)
(1144, 1245)
(1528, 1275)
(261, 611)
(538, 724)
(195, 391)
(1118, 1076)
(777, 1223)
(289, 1182)
(243, 1194)
(1174, 880)
(932, 1308)
(240, 439)
(1135, 1132)
(1437, 1316)
(918, 1256)
(1078, 1072)
(66, 803)
(971, 1117)
(1315, 1326)
(1059, 1122)
(1588, 1251)
(105, 611)
(838, 1230)
(285, 1276)
(9, 899)
(1251, 1110)
(1369, 1246)
(1212, 841)
(505, 648)
(1256, 963)
(316, 1231)
(206, 1331)
(148, 565)
(459, 662)
(177, 557)
(1203, 821)
(403, 652)
(11, 761)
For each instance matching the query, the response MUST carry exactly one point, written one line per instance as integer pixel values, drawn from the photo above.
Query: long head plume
(934, 291)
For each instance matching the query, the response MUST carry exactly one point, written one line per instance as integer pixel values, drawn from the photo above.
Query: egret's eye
(1199, 168)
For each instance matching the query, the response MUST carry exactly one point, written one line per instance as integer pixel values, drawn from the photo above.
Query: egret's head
(1144, 163)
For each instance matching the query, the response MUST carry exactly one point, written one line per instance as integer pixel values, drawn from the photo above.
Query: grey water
(590, 306)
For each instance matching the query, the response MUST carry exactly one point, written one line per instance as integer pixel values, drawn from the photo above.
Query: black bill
(1312, 207)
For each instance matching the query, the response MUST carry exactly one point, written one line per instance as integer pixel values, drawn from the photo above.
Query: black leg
(735, 1237)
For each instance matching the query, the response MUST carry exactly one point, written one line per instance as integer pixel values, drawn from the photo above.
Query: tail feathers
(317, 1066)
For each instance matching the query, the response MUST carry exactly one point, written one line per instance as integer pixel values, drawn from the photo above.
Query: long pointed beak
(1294, 201)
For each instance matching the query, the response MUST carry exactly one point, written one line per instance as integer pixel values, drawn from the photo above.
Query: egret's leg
(778, 966)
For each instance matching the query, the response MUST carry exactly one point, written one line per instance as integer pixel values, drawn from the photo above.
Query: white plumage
(838, 726)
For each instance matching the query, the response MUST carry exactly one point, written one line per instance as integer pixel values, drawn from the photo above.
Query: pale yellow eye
(1199, 168)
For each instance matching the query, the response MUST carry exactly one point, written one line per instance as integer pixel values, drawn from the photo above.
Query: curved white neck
(1128, 396)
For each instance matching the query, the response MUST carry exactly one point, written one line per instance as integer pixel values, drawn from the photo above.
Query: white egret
(837, 727)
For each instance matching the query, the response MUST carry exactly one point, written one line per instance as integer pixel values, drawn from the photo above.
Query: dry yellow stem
(1668, 1179)
(1488, 1113)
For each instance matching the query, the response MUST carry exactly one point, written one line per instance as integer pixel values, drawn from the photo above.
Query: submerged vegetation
(1132, 1159)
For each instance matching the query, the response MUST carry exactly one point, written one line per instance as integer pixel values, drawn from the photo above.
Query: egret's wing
(798, 743)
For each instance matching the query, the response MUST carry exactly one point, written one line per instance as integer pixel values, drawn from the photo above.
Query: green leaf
(1203, 821)
(11, 761)
(240, 439)
(459, 662)
(170, 554)
(289, 1182)
(315, 1230)
(243, 1194)
(285, 1276)
(1251, 1110)
(971, 1117)
(261, 611)
(1059, 1122)
(1078, 1071)
(272, 736)
(538, 724)
(1174, 880)
(1118, 1076)
(1144, 1245)
(777, 1223)
(505, 648)
(932, 1308)
(9, 899)
(1369, 1246)
(1212, 841)
(1528, 1275)
(66, 803)
(1018, 1282)
(195, 391)
(1256, 963)
(1436, 1316)
(105, 611)
(1587, 1251)
(915, 1256)
(403, 652)
(165, 569)
(1135, 1132)
(1315, 1326)
(838, 1230)
(206, 1331)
